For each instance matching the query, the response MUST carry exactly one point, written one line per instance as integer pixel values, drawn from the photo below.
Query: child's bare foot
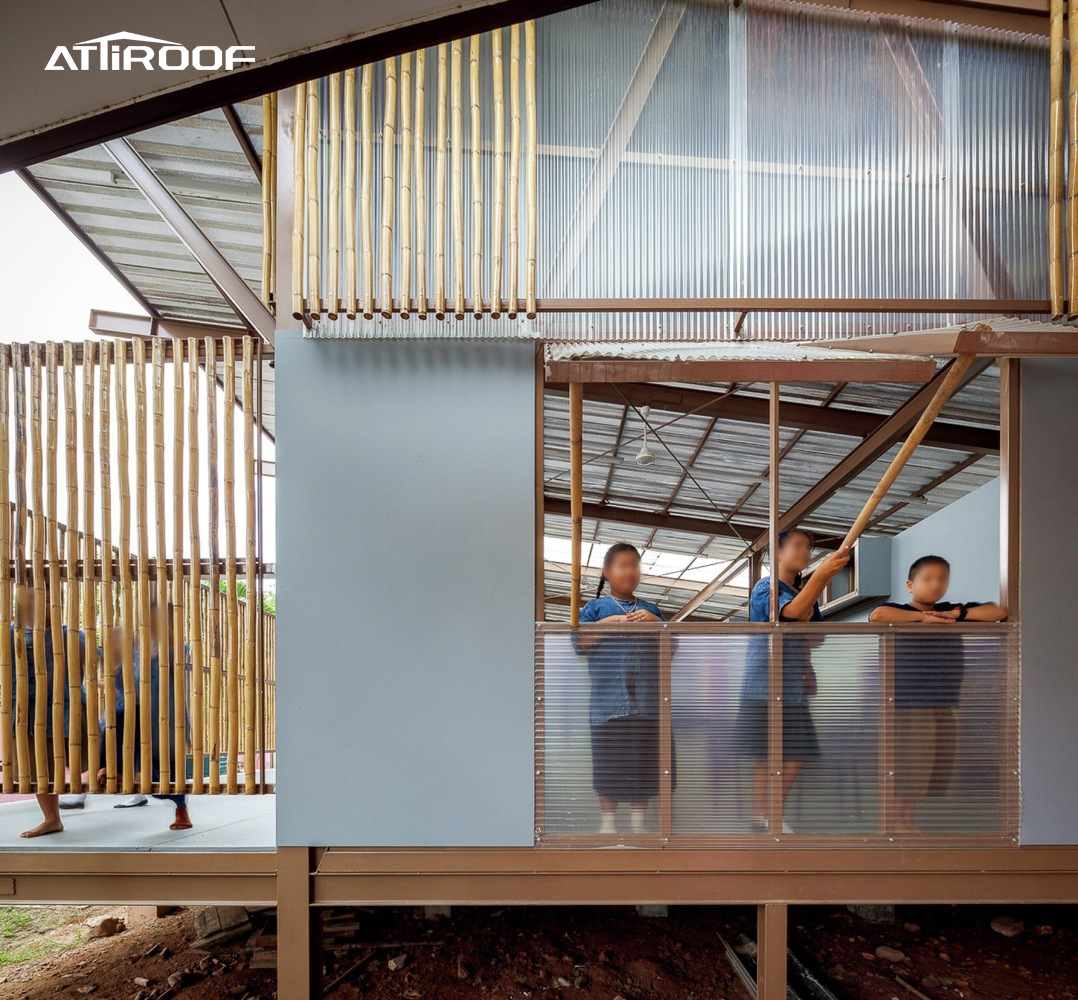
(183, 819)
(49, 826)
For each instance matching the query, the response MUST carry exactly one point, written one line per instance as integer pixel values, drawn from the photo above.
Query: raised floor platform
(221, 823)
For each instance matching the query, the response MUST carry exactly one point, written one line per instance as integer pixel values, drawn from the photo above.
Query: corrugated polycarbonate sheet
(880, 734)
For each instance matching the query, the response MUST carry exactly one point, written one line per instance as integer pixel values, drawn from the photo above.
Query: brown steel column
(771, 951)
(774, 670)
(296, 973)
(576, 490)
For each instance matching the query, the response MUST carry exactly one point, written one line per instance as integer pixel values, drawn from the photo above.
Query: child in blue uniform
(624, 707)
(928, 682)
(797, 603)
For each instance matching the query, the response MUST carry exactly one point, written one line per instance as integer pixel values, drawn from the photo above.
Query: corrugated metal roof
(687, 350)
(731, 470)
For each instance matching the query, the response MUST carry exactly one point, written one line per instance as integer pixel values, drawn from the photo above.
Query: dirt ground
(516, 953)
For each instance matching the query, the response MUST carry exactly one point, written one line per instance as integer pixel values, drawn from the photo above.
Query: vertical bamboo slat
(439, 187)
(7, 758)
(514, 169)
(350, 301)
(314, 293)
(406, 185)
(74, 659)
(419, 128)
(161, 621)
(365, 191)
(127, 608)
(37, 623)
(213, 615)
(22, 676)
(56, 611)
(498, 95)
(107, 610)
(179, 645)
(145, 626)
(474, 46)
(198, 720)
(273, 201)
(457, 143)
(1072, 163)
(389, 157)
(1055, 159)
(232, 657)
(333, 203)
(250, 749)
(269, 131)
(299, 199)
(89, 586)
(532, 169)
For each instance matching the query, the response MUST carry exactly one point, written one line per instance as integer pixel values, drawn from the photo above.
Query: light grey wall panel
(1049, 590)
(406, 593)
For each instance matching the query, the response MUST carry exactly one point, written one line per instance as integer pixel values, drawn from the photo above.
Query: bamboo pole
(107, 610)
(1055, 159)
(41, 666)
(89, 587)
(250, 748)
(213, 614)
(333, 205)
(144, 623)
(179, 645)
(514, 169)
(350, 301)
(56, 612)
(532, 166)
(299, 174)
(576, 491)
(406, 185)
(198, 720)
(389, 156)
(458, 178)
(314, 294)
(74, 659)
(439, 187)
(22, 668)
(269, 131)
(1072, 162)
(273, 203)
(365, 191)
(477, 176)
(498, 95)
(232, 657)
(951, 381)
(7, 759)
(161, 620)
(127, 609)
(420, 129)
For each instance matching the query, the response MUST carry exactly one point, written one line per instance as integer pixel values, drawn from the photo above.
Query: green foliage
(269, 597)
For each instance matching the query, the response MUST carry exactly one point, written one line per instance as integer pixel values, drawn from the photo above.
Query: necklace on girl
(623, 604)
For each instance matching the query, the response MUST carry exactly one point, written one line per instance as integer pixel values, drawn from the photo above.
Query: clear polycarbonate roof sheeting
(777, 149)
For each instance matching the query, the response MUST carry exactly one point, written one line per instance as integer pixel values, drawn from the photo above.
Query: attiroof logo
(125, 50)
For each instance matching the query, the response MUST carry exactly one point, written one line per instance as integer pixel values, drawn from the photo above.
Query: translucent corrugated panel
(701, 733)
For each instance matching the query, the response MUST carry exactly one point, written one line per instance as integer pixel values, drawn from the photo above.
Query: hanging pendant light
(645, 456)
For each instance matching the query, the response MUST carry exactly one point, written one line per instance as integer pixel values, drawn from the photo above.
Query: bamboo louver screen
(419, 142)
(115, 676)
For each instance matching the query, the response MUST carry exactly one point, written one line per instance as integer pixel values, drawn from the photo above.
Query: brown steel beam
(805, 416)
(821, 370)
(244, 139)
(1059, 343)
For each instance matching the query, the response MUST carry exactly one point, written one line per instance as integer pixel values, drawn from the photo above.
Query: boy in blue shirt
(928, 682)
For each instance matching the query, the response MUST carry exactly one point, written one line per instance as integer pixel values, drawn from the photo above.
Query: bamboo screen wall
(130, 652)
(762, 149)
(415, 184)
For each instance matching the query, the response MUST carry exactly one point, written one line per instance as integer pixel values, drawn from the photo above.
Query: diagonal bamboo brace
(951, 382)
